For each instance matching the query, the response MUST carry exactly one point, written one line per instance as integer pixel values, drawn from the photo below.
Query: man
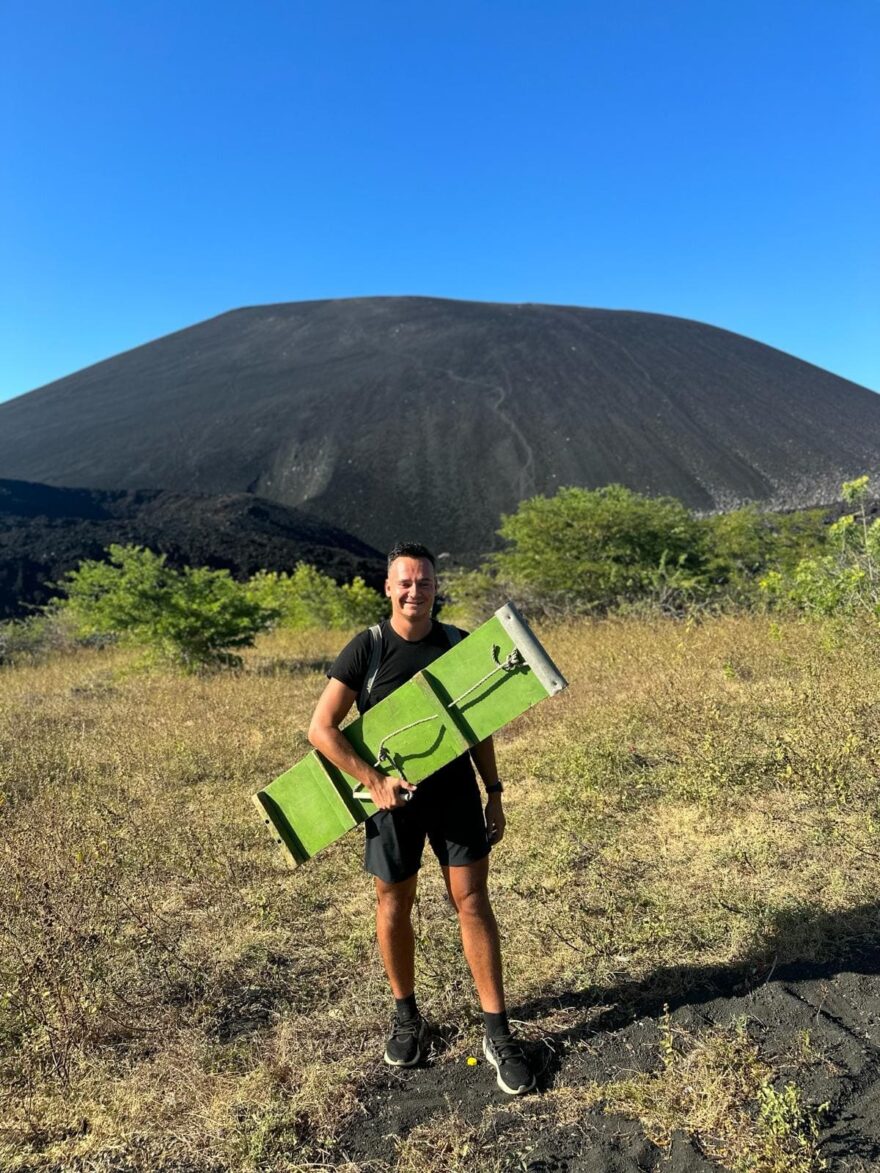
(446, 808)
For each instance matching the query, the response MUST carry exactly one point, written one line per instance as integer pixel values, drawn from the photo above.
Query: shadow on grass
(804, 945)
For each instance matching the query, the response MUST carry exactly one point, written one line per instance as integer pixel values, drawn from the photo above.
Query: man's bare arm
(324, 734)
(483, 757)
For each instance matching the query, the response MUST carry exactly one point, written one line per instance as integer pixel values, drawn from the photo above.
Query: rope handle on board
(512, 661)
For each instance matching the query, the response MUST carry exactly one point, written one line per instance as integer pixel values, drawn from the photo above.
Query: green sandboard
(469, 693)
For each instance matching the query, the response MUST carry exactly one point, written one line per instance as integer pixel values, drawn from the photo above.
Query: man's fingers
(495, 824)
(396, 795)
(390, 793)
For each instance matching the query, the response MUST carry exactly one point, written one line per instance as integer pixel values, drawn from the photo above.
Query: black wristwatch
(495, 788)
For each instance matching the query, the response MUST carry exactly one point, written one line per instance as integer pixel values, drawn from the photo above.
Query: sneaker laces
(507, 1048)
(409, 1026)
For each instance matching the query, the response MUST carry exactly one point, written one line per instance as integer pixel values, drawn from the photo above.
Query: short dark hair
(410, 550)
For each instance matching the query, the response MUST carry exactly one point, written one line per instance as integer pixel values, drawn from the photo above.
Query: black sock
(406, 1008)
(496, 1024)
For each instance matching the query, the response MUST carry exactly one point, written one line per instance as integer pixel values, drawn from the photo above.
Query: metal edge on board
(532, 652)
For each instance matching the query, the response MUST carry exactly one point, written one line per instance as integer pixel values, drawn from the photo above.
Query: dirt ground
(613, 1032)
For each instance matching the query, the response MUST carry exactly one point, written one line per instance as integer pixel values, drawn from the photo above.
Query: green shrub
(843, 581)
(359, 605)
(586, 549)
(192, 616)
(470, 597)
(743, 544)
(612, 549)
(309, 599)
(41, 635)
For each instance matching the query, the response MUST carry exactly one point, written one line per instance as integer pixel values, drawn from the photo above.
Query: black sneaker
(406, 1041)
(506, 1055)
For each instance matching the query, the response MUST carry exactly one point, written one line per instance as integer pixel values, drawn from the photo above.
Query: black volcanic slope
(395, 417)
(46, 531)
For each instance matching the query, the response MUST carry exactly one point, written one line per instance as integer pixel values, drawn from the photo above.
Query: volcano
(419, 418)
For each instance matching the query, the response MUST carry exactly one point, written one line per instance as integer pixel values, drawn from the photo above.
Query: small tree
(742, 545)
(194, 616)
(307, 598)
(844, 580)
(359, 605)
(583, 549)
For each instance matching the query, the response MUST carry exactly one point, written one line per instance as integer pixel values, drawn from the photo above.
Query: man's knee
(475, 905)
(395, 901)
(471, 897)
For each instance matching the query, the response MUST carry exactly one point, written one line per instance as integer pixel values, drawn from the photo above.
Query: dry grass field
(703, 800)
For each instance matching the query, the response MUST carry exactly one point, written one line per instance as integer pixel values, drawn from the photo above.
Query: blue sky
(163, 162)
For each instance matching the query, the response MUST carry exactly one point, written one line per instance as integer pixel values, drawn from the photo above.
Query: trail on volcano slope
(527, 470)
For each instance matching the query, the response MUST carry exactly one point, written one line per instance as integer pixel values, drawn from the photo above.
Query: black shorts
(449, 813)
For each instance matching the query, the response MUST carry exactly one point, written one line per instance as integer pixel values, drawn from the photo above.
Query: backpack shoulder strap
(452, 634)
(372, 667)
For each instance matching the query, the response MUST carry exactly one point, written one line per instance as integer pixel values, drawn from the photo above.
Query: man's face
(411, 586)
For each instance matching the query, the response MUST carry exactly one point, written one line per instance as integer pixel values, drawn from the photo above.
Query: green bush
(470, 597)
(586, 549)
(740, 546)
(40, 636)
(192, 616)
(843, 581)
(307, 598)
(597, 550)
(360, 605)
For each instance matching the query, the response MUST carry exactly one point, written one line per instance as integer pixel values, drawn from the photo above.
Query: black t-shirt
(401, 660)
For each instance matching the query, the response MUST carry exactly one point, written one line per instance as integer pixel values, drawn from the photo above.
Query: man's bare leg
(405, 1046)
(467, 886)
(468, 891)
(395, 933)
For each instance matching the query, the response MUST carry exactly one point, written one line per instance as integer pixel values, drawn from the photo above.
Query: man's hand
(325, 736)
(387, 793)
(495, 820)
